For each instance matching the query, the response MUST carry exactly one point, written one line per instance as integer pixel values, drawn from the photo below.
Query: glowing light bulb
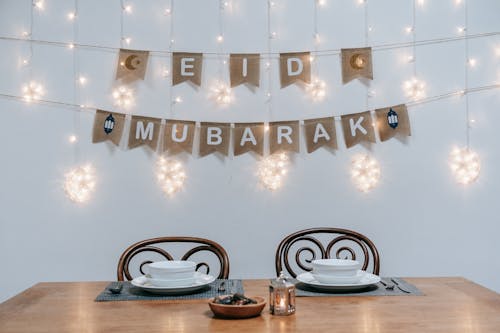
(410, 59)
(272, 170)
(72, 139)
(273, 35)
(123, 97)
(465, 165)
(458, 2)
(128, 9)
(221, 93)
(168, 11)
(316, 89)
(170, 175)
(461, 30)
(420, 2)
(26, 34)
(220, 39)
(82, 80)
(414, 88)
(33, 91)
(79, 183)
(472, 62)
(321, 2)
(128, 40)
(177, 100)
(71, 46)
(361, 2)
(71, 16)
(365, 172)
(409, 30)
(165, 72)
(39, 4)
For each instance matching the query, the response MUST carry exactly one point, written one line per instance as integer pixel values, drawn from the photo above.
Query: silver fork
(399, 287)
(388, 286)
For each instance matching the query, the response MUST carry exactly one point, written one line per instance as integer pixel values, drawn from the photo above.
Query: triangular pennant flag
(357, 128)
(295, 67)
(284, 136)
(186, 67)
(244, 68)
(214, 137)
(108, 126)
(320, 132)
(178, 136)
(356, 63)
(132, 65)
(392, 121)
(144, 131)
(248, 137)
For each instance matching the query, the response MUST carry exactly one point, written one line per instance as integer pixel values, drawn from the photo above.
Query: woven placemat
(133, 293)
(378, 289)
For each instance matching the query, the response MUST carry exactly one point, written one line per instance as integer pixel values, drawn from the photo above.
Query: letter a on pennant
(186, 67)
(144, 131)
(248, 137)
(320, 132)
(295, 67)
(214, 137)
(357, 128)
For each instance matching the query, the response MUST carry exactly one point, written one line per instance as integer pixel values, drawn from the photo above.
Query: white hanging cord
(269, 94)
(76, 82)
(466, 74)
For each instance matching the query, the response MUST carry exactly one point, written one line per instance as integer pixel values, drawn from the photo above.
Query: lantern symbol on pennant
(392, 118)
(109, 124)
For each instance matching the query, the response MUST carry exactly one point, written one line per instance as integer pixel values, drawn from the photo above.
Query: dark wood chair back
(156, 248)
(296, 251)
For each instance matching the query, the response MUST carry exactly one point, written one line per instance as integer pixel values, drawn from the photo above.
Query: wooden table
(449, 305)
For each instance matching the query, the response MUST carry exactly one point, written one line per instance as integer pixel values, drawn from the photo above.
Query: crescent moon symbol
(130, 63)
(357, 61)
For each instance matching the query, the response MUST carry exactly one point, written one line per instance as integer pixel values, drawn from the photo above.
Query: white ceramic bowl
(172, 283)
(171, 269)
(337, 267)
(335, 279)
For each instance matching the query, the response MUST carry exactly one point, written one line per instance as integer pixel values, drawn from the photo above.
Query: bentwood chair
(296, 251)
(204, 252)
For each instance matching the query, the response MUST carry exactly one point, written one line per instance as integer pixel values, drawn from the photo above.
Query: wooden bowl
(238, 311)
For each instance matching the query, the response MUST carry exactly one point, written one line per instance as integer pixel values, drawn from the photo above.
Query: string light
(221, 93)
(82, 80)
(79, 183)
(124, 97)
(472, 62)
(177, 100)
(316, 89)
(272, 170)
(365, 172)
(72, 139)
(128, 9)
(33, 91)
(414, 88)
(170, 175)
(71, 16)
(39, 4)
(465, 165)
(220, 39)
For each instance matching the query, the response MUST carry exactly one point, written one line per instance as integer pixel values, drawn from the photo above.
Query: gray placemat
(378, 289)
(132, 293)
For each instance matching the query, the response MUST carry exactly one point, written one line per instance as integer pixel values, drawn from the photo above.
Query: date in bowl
(235, 307)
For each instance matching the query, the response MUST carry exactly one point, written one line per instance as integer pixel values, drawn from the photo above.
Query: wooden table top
(449, 305)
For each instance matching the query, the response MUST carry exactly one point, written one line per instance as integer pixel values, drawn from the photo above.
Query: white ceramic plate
(366, 280)
(201, 280)
(330, 278)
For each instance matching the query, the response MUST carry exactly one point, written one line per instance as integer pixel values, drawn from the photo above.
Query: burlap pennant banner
(356, 63)
(179, 136)
(357, 127)
(320, 132)
(108, 126)
(144, 131)
(132, 65)
(248, 137)
(284, 136)
(214, 137)
(295, 67)
(186, 67)
(392, 121)
(244, 68)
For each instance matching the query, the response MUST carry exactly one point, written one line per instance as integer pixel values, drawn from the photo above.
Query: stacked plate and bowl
(172, 277)
(337, 274)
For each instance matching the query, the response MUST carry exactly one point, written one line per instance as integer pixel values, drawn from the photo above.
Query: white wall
(423, 223)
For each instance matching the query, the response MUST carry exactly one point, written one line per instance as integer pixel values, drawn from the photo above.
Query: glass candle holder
(281, 296)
